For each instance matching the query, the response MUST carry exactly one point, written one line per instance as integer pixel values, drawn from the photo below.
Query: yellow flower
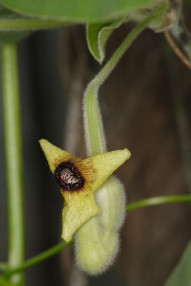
(79, 179)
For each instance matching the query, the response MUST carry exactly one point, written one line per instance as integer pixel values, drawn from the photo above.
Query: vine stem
(158, 201)
(93, 127)
(39, 258)
(28, 24)
(13, 150)
(154, 201)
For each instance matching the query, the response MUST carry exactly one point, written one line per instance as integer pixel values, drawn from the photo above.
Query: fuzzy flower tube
(97, 241)
(94, 207)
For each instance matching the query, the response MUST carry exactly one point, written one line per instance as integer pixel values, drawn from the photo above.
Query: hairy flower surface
(79, 178)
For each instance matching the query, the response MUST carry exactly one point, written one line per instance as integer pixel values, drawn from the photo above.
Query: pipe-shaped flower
(79, 179)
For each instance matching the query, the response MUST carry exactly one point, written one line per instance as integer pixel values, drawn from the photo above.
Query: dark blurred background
(146, 108)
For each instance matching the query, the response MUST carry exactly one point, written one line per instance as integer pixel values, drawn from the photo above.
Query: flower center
(69, 177)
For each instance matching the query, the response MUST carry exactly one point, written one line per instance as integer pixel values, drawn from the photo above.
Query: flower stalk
(47, 254)
(97, 240)
(13, 150)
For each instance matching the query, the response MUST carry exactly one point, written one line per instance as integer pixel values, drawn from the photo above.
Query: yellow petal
(78, 208)
(105, 164)
(80, 204)
(53, 154)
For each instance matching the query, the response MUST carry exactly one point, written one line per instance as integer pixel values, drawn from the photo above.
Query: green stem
(60, 246)
(93, 127)
(158, 201)
(39, 258)
(28, 24)
(12, 129)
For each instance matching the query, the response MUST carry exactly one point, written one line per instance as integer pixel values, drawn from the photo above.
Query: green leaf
(97, 36)
(8, 35)
(14, 27)
(76, 11)
(181, 275)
